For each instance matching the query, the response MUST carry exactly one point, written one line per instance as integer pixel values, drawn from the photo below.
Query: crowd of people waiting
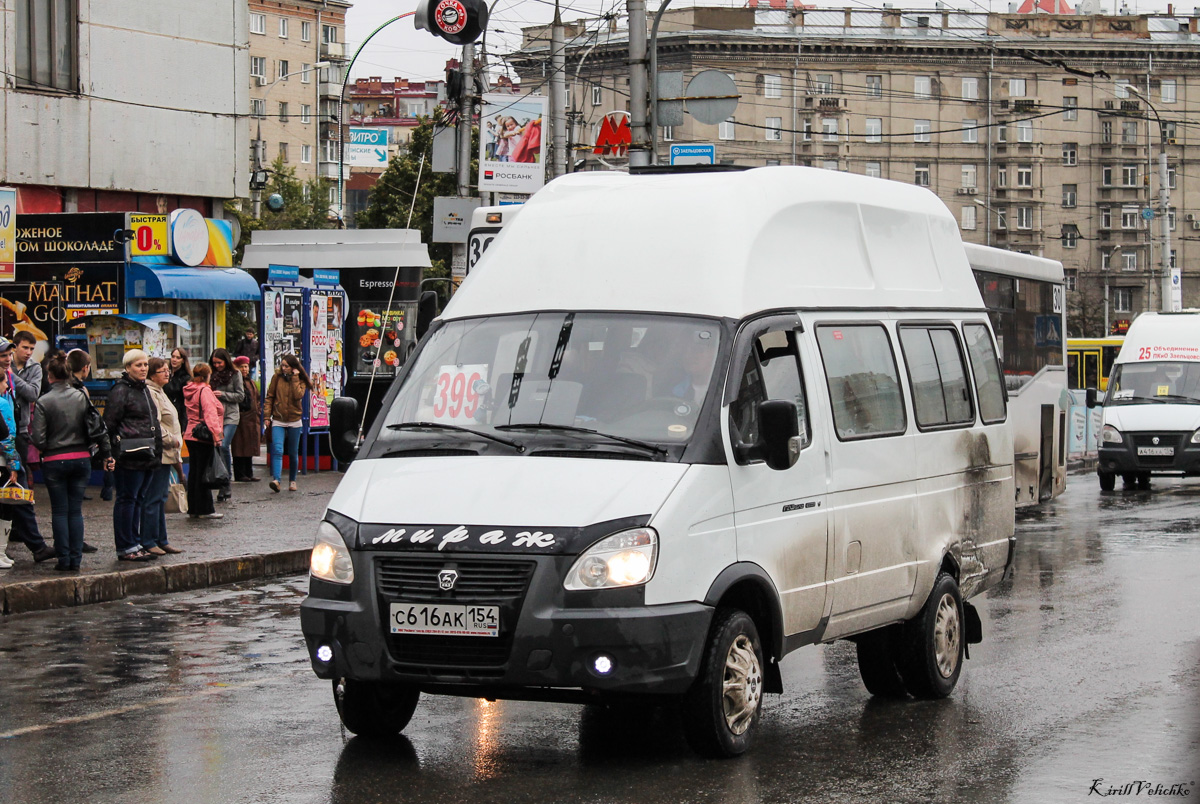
(151, 412)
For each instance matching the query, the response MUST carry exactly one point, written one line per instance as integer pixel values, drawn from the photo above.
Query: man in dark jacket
(132, 420)
(248, 347)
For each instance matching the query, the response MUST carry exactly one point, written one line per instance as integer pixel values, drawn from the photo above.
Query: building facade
(105, 107)
(1040, 132)
(297, 63)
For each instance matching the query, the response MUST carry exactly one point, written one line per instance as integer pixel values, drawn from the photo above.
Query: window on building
(830, 164)
(283, 151)
(829, 129)
(1129, 261)
(306, 154)
(1016, 87)
(727, 130)
(970, 88)
(258, 66)
(806, 129)
(1171, 176)
(1024, 131)
(823, 85)
(1071, 279)
(1070, 235)
(1024, 217)
(1001, 218)
(1129, 175)
(329, 149)
(921, 174)
(283, 27)
(1070, 107)
(921, 129)
(970, 176)
(774, 129)
(1167, 90)
(1122, 300)
(306, 74)
(1001, 134)
(1172, 263)
(874, 86)
(1070, 153)
(47, 44)
(970, 131)
(1129, 132)
(1070, 195)
(597, 95)
(874, 170)
(1105, 217)
(1106, 176)
(305, 31)
(968, 218)
(1168, 130)
(1130, 217)
(258, 107)
(329, 34)
(772, 86)
(258, 23)
(1001, 176)
(668, 133)
(922, 87)
(1106, 132)
(281, 69)
(305, 113)
(1171, 218)
(1024, 175)
(874, 129)
(283, 112)
(1121, 88)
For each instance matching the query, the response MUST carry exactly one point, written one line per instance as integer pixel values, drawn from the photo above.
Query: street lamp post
(258, 181)
(1169, 280)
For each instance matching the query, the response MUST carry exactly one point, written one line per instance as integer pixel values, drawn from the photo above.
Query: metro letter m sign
(615, 136)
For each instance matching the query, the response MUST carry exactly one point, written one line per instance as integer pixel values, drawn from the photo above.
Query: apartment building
(297, 63)
(1041, 132)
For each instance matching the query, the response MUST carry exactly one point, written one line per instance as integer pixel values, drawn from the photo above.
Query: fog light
(325, 654)
(602, 664)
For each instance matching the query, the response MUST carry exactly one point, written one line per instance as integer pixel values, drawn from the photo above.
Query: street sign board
(149, 235)
(283, 273)
(367, 147)
(715, 96)
(327, 276)
(694, 154)
(452, 218)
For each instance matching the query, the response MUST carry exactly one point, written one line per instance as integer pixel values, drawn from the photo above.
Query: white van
(1151, 421)
(673, 428)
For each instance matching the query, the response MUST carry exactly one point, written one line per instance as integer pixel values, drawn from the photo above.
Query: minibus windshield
(1162, 381)
(628, 380)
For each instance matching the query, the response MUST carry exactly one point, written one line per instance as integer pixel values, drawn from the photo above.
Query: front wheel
(933, 643)
(372, 709)
(1108, 481)
(721, 709)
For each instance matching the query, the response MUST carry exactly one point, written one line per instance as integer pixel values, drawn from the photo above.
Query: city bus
(1090, 361)
(1025, 296)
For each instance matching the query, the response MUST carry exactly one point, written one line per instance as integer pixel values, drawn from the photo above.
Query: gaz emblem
(446, 579)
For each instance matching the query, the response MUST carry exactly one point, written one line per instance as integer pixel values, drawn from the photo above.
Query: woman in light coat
(154, 512)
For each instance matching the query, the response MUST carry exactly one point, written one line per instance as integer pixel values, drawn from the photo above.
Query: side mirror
(1090, 396)
(778, 427)
(343, 428)
(427, 310)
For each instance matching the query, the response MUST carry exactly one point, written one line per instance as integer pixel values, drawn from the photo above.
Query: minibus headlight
(623, 559)
(1110, 435)
(330, 558)
(1195, 439)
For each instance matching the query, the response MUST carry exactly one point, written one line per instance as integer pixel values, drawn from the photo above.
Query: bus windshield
(629, 375)
(1159, 381)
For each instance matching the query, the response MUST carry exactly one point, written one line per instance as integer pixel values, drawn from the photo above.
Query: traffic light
(457, 21)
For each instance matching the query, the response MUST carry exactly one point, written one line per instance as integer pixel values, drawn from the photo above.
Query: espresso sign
(70, 237)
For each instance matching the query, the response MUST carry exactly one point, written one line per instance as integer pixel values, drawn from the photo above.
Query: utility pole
(558, 97)
(466, 111)
(639, 154)
(1164, 204)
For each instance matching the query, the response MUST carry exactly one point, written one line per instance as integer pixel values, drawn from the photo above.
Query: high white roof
(723, 244)
(1013, 263)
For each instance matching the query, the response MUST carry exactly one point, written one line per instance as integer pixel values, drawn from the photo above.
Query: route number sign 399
(456, 392)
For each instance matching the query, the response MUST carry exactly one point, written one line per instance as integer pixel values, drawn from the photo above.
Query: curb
(54, 593)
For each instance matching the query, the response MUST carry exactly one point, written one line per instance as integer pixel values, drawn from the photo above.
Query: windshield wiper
(572, 429)
(517, 445)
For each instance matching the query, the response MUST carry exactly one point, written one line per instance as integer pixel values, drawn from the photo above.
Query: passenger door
(780, 515)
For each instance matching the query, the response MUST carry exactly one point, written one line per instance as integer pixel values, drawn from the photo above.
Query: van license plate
(440, 620)
(1156, 450)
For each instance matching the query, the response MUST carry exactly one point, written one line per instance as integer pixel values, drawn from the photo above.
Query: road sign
(694, 154)
(1147, 214)
(367, 147)
(712, 97)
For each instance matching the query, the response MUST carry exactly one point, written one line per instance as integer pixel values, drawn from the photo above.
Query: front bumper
(548, 641)
(1124, 458)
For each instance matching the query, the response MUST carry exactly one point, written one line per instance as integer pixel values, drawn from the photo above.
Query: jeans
(66, 483)
(132, 485)
(278, 437)
(154, 512)
(200, 501)
(227, 452)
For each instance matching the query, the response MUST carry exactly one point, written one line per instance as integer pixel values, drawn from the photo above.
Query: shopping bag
(13, 493)
(176, 495)
(216, 474)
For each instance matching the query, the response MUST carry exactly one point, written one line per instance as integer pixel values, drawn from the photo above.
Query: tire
(722, 708)
(1143, 481)
(877, 663)
(372, 709)
(932, 655)
(1108, 481)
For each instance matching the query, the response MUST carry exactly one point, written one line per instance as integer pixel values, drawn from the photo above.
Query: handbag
(201, 432)
(136, 448)
(13, 493)
(216, 474)
(176, 495)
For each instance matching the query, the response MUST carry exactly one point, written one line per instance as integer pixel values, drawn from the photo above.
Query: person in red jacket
(202, 405)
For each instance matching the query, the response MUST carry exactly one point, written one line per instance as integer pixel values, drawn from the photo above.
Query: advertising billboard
(510, 144)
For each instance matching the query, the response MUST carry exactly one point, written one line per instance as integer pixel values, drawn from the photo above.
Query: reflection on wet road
(1088, 670)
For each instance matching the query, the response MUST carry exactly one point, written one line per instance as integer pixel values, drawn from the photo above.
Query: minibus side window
(988, 384)
(938, 376)
(864, 384)
(772, 372)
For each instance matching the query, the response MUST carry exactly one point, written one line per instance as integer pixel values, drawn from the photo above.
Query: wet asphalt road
(1089, 669)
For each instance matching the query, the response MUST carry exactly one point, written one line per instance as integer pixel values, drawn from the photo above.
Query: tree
(1085, 305)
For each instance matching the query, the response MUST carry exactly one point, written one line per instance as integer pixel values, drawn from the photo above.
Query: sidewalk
(263, 535)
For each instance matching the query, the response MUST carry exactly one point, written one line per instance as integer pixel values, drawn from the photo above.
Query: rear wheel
(721, 709)
(877, 651)
(372, 709)
(1108, 481)
(931, 660)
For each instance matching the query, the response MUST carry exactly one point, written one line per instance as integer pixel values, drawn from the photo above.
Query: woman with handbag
(226, 383)
(246, 440)
(284, 412)
(132, 420)
(205, 417)
(154, 514)
(65, 430)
